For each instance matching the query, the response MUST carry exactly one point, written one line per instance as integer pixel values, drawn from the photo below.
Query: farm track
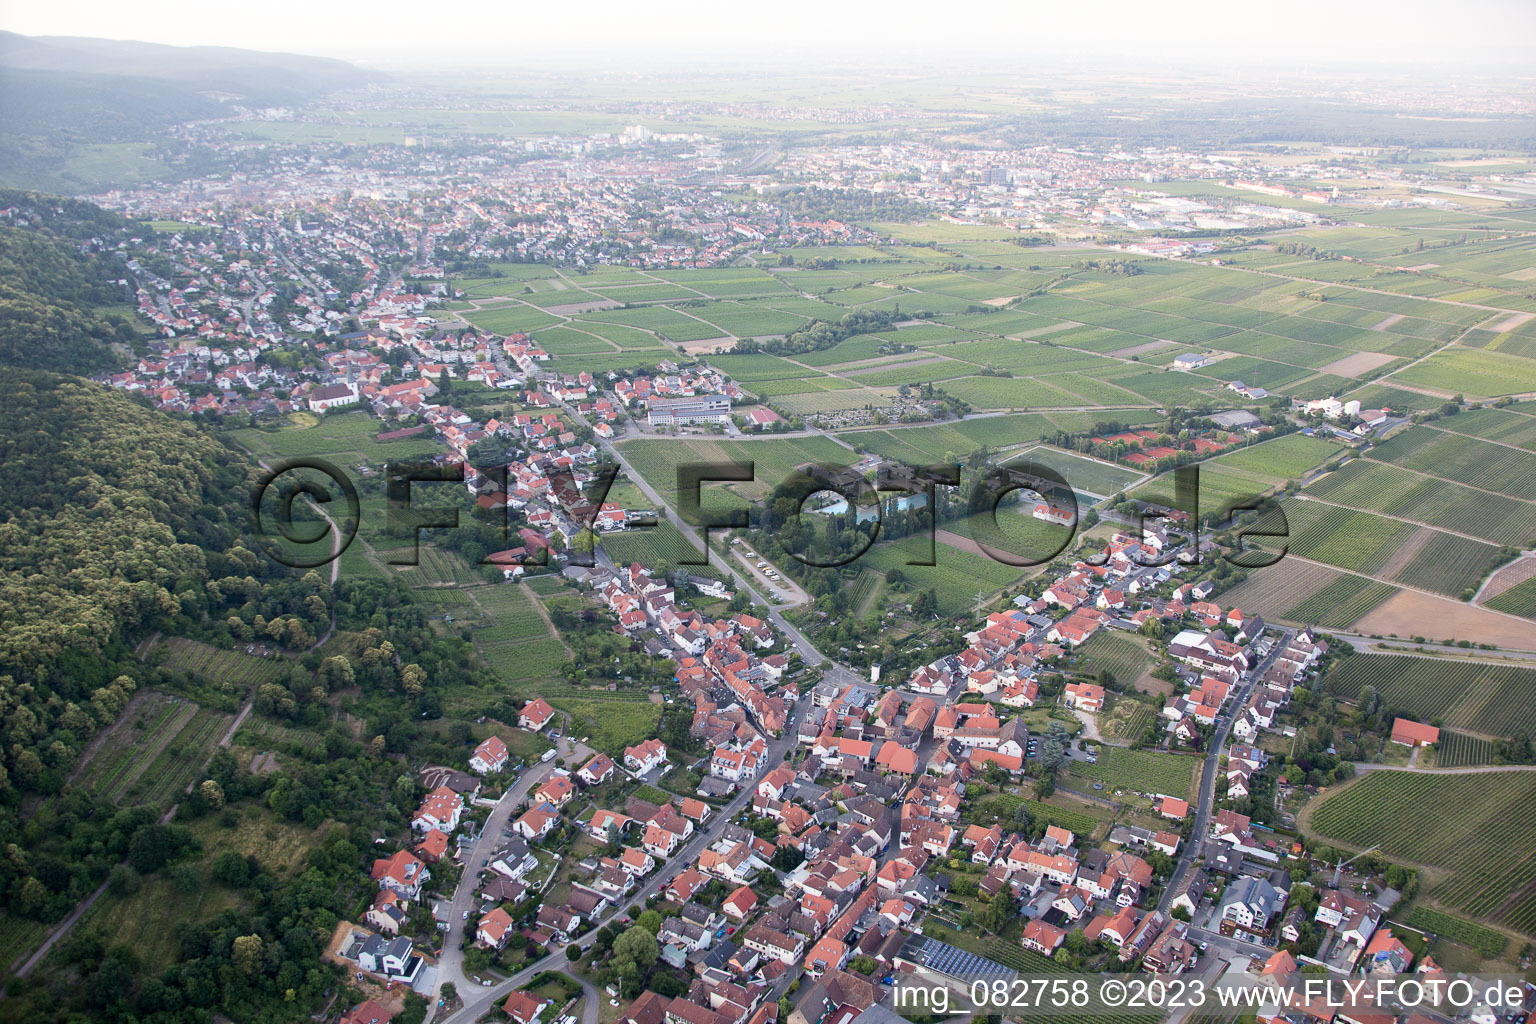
(1363, 767)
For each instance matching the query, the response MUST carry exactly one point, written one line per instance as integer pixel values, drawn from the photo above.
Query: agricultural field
(347, 437)
(1519, 599)
(1475, 936)
(1141, 771)
(659, 544)
(1501, 425)
(1338, 604)
(1358, 541)
(1487, 698)
(1085, 475)
(1380, 487)
(999, 808)
(234, 669)
(152, 919)
(1467, 460)
(774, 459)
(437, 567)
(18, 935)
(1248, 473)
(515, 640)
(950, 442)
(1124, 658)
(1273, 590)
(1478, 831)
(1458, 750)
(609, 725)
(1127, 719)
(956, 577)
(150, 758)
(1472, 372)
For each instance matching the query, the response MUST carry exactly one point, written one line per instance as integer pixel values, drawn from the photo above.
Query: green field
(773, 459)
(1458, 750)
(1248, 473)
(1472, 372)
(1485, 940)
(1339, 603)
(1479, 829)
(1083, 474)
(1141, 771)
(1380, 487)
(1124, 658)
(659, 544)
(610, 725)
(1519, 599)
(152, 759)
(515, 640)
(957, 576)
(1496, 700)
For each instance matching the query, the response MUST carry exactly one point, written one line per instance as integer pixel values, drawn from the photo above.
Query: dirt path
(1405, 552)
(135, 704)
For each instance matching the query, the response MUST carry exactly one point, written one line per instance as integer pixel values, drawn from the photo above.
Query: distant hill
(61, 306)
(62, 94)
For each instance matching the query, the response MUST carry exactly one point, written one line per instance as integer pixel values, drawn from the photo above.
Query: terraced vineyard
(18, 935)
(1480, 829)
(176, 767)
(1497, 700)
(152, 765)
(232, 668)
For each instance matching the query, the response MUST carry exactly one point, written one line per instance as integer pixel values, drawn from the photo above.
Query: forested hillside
(53, 287)
(110, 511)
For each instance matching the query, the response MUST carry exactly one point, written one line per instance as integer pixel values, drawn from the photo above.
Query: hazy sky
(1358, 32)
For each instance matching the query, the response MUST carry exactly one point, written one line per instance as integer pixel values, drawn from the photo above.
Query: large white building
(331, 396)
(667, 412)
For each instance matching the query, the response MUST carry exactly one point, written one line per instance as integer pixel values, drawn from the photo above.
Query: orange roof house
(535, 714)
(1413, 734)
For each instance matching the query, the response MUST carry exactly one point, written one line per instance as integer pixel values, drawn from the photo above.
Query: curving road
(451, 964)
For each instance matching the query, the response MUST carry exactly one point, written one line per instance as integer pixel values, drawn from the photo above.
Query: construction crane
(1338, 869)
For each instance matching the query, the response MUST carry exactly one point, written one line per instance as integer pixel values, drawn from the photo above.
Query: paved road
(1208, 775)
(478, 999)
(1408, 647)
(808, 652)
(451, 965)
